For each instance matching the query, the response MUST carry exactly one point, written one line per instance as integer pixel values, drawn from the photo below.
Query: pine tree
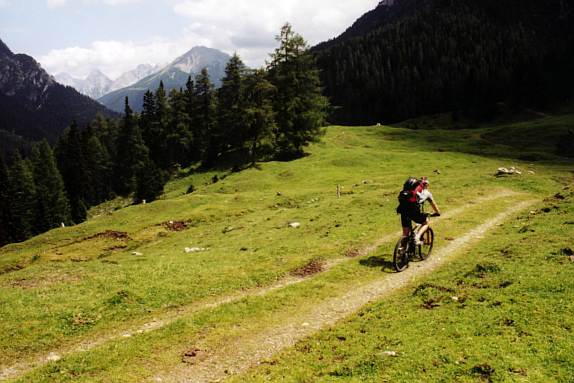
(190, 109)
(300, 106)
(160, 127)
(72, 166)
(132, 154)
(22, 199)
(259, 115)
(231, 107)
(150, 182)
(52, 204)
(100, 168)
(5, 204)
(179, 138)
(205, 118)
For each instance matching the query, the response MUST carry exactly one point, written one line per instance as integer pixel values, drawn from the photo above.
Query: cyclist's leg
(406, 224)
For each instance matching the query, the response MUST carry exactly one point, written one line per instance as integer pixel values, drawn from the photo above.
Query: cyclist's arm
(434, 206)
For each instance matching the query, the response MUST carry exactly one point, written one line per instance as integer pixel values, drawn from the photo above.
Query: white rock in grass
(390, 353)
(195, 249)
(294, 225)
(53, 357)
(136, 253)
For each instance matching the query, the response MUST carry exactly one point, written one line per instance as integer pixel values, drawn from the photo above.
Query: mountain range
(34, 106)
(173, 76)
(97, 84)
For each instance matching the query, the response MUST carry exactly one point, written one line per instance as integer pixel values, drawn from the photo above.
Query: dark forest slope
(408, 58)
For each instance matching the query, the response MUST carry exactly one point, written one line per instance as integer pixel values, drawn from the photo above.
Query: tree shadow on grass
(378, 261)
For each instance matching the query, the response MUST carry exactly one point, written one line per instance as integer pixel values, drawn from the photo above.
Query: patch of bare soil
(353, 253)
(313, 267)
(44, 281)
(193, 355)
(175, 225)
(110, 234)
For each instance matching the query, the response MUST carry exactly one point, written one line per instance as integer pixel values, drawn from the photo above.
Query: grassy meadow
(92, 283)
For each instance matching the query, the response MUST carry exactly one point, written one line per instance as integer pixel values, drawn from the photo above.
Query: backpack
(408, 196)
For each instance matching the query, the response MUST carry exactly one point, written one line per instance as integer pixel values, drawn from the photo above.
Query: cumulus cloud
(111, 57)
(247, 27)
(61, 3)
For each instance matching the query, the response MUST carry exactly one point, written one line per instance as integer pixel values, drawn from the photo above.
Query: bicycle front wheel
(427, 239)
(400, 256)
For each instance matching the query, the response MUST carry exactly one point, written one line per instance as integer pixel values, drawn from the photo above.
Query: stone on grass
(294, 225)
(136, 253)
(195, 249)
(507, 172)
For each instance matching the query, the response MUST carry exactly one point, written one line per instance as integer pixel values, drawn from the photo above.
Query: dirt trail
(245, 353)
(166, 318)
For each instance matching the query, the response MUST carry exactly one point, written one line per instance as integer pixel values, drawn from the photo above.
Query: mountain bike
(406, 250)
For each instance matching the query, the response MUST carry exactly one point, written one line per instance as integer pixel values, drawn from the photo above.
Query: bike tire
(425, 250)
(400, 256)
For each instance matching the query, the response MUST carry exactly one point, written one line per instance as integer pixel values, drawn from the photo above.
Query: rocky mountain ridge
(173, 76)
(33, 105)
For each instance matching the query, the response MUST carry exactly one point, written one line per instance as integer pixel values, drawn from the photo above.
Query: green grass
(501, 312)
(71, 285)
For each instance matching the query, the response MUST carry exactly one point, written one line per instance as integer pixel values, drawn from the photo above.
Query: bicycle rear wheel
(427, 239)
(400, 255)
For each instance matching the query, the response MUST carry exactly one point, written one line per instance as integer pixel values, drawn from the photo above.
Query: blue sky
(77, 36)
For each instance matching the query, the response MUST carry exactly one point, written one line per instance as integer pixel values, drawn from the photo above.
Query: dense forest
(409, 58)
(270, 113)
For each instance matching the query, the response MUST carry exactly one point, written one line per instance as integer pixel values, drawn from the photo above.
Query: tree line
(261, 114)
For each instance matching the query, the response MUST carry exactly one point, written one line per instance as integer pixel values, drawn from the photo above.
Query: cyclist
(414, 194)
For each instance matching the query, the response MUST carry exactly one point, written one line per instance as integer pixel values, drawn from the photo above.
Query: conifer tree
(52, 203)
(301, 108)
(22, 199)
(150, 182)
(132, 154)
(5, 203)
(190, 106)
(159, 129)
(72, 165)
(179, 138)
(259, 115)
(100, 168)
(205, 118)
(231, 106)
(146, 121)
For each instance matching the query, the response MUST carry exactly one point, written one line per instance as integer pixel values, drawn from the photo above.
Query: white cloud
(60, 3)
(55, 3)
(4, 3)
(111, 57)
(247, 27)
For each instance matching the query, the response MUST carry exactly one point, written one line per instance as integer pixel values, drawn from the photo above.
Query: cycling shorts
(412, 215)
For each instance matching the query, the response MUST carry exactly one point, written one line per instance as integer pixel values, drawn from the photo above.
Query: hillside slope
(413, 58)
(123, 286)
